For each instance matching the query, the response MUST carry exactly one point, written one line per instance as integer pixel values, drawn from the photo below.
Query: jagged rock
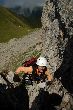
(57, 32)
(2, 81)
(10, 76)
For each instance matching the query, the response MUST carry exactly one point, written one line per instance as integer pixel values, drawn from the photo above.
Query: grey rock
(57, 37)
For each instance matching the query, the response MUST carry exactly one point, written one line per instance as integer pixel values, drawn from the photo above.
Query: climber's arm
(49, 75)
(24, 69)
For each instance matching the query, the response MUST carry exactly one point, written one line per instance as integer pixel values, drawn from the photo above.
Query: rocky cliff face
(57, 37)
(57, 32)
(57, 25)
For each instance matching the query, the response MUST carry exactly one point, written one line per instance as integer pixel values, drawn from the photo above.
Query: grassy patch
(11, 26)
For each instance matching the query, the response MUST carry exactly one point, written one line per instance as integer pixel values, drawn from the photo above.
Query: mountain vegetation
(11, 26)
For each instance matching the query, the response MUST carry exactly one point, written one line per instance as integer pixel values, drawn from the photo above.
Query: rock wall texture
(57, 37)
(57, 25)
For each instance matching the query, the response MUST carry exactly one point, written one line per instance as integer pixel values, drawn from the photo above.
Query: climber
(39, 71)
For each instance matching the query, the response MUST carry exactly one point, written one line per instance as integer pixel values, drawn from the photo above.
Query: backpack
(30, 62)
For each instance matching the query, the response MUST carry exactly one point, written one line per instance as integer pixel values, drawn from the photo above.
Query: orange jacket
(30, 69)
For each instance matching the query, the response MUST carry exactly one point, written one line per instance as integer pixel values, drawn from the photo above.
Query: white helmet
(41, 61)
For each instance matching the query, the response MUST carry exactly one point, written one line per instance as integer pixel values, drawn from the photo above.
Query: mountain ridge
(12, 26)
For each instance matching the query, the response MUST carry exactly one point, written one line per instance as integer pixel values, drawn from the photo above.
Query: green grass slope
(11, 26)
